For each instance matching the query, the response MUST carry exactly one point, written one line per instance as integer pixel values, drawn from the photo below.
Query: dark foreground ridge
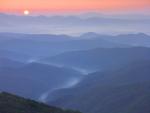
(14, 104)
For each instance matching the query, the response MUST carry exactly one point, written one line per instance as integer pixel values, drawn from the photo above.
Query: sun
(26, 12)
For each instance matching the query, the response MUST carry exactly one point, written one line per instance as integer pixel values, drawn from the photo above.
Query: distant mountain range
(14, 104)
(72, 24)
(139, 39)
(32, 47)
(37, 46)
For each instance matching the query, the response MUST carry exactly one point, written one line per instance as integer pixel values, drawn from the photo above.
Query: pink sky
(41, 6)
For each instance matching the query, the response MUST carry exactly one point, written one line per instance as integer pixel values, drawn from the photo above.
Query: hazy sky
(41, 6)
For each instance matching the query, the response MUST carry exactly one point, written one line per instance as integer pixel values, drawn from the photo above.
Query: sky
(74, 6)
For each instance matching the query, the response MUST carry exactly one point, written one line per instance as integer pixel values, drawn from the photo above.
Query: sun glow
(26, 12)
(62, 6)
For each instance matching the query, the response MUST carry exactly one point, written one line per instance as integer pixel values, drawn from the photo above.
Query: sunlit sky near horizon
(73, 6)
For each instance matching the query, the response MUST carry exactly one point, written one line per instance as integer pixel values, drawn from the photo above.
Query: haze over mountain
(40, 45)
(32, 47)
(139, 39)
(90, 72)
(73, 25)
(91, 56)
(100, 58)
(125, 90)
(32, 80)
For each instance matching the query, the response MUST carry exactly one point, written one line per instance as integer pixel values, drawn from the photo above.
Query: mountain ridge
(10, 103)
(122, 91)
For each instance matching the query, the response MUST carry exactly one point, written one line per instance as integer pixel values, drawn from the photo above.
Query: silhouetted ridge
(14, 104)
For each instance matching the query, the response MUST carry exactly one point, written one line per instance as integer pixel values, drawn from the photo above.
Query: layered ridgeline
(125, 90)
(70, 24)
(33, 79)
(14, 104)
(31, 47)
(99, 59)
(119, 85)
(42, 45)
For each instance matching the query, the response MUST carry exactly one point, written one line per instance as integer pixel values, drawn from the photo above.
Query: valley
(83, 74)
